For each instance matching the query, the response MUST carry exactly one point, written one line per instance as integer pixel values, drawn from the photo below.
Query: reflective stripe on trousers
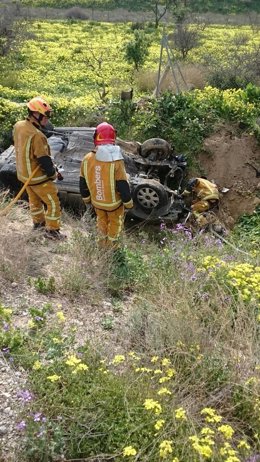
(45, 193)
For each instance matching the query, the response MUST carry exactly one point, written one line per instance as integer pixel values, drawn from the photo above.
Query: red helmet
(104, 134)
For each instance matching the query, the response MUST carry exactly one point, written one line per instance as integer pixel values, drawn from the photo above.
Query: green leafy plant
(136, 50)
(45, 286)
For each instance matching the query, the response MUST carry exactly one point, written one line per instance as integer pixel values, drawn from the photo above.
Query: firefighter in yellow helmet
(32, 150)
(103, 183)
(205, 196)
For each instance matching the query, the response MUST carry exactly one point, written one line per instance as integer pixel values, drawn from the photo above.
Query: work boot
(38, 225)
(55, 235)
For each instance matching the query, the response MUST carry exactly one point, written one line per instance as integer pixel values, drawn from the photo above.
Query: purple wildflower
(38, 318)
(21, 425)
(162, 226)
(193, 277)
(37, 416)
(25, 395)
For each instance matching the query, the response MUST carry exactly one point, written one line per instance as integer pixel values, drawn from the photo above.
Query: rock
(3, 430)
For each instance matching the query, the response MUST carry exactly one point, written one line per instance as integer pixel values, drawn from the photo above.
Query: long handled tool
(6, 210)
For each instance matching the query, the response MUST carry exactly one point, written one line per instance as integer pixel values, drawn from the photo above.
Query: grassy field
(78, 60)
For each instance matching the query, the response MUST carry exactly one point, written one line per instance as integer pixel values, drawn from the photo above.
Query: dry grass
(195, 76)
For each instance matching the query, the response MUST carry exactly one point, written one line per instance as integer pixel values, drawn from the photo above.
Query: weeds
(44, 286)
(181, 381)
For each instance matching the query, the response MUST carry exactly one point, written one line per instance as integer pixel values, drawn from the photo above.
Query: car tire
(150, 199)
(156, 148)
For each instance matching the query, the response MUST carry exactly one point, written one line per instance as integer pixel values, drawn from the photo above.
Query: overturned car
(155, 173)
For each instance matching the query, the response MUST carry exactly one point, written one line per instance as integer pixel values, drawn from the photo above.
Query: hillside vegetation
(88, 90)
(148, 354)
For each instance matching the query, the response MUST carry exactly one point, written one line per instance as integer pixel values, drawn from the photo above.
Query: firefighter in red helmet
(32, 151)
(103, 183)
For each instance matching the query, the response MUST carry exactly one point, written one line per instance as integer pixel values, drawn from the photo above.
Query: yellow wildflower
(211, 415)
(7, 312)
(171, 372)
(37, 365)
(154, 359)
(180, 414)
(203, 449)
(105, 371)
(165, 448)
(243, 444)
(118, 359)
(72, 361)
(159, 424)
(232, 459)
(227, 431)
(134, 356)
(57, 341)
(227, 450)
(166, 362)
(80, 367)
(145, 369)
(157, 371)
(207, 431)
(164, 379)
(60, 316)
(31, 324)
(129, 451)
(151, 404)
(53, 378)
(164, 391)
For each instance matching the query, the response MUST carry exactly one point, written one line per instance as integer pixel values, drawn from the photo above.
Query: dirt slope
(224, 160)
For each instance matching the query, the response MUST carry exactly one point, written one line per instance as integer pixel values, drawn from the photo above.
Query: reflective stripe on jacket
(30, 143)
(101, 178)
(206, 190)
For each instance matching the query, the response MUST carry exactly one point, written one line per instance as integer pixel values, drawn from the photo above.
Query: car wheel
(155, 149)
(151, 198)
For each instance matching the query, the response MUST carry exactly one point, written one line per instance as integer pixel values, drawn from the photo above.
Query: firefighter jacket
(103, 180)
(205, 190)
(32, 150)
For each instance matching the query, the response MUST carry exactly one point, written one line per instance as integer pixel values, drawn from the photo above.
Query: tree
(158, 7)
(136, 51)
(185, 38)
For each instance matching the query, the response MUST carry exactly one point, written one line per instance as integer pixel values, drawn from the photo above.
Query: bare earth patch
(225, 160)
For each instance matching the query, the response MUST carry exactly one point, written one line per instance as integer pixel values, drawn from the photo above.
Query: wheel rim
(148, 198)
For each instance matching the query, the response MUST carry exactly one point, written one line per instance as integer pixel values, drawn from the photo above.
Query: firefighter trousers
(201, 206)
(45, 204)
(109, 226)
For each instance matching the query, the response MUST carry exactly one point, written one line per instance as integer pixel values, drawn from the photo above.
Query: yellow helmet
(39, 104)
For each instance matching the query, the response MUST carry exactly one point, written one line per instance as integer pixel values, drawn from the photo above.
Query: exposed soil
(225, 160)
